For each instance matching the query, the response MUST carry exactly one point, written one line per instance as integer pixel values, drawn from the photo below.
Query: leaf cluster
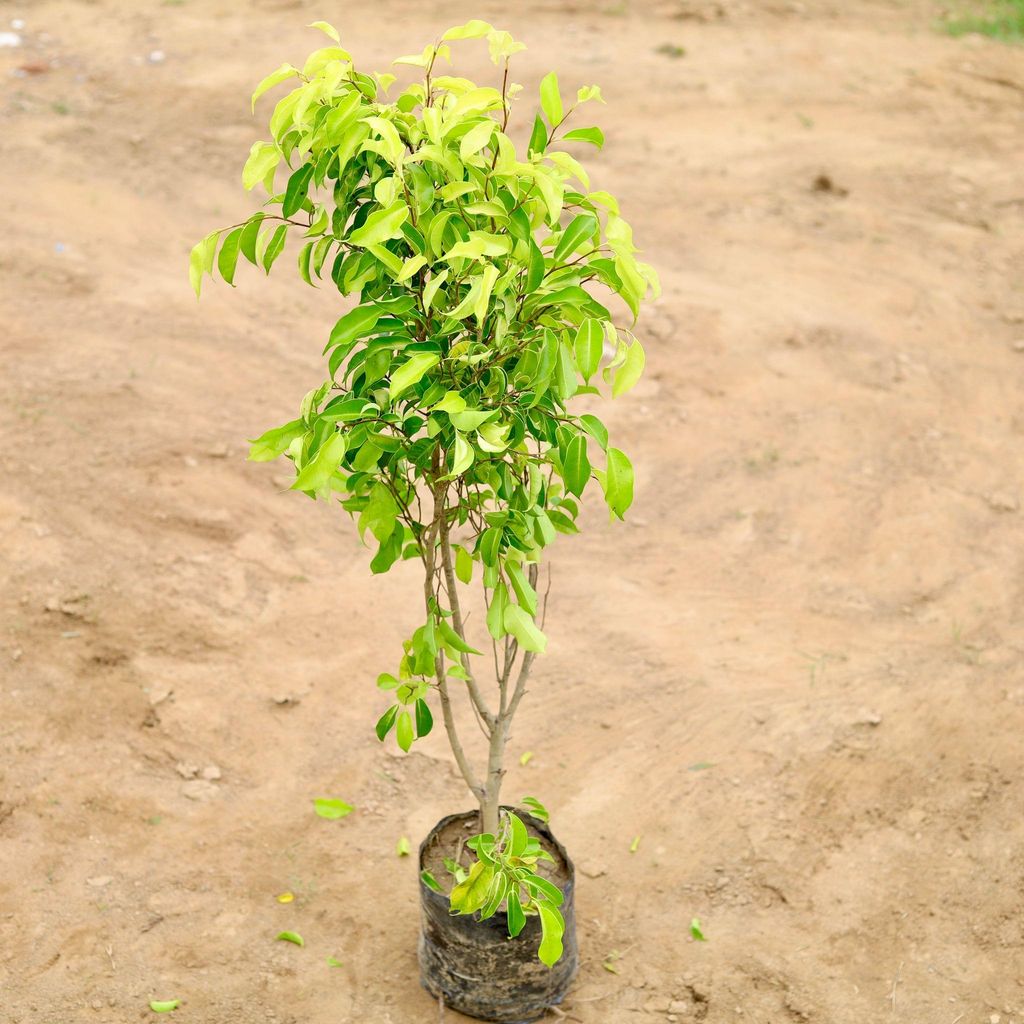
(505, 875)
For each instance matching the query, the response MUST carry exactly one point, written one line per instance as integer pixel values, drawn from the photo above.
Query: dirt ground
(795, 672)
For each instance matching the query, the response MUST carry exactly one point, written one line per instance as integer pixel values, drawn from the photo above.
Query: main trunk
(490, 801)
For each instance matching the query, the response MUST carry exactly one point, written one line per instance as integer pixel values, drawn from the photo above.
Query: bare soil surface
(795, 673)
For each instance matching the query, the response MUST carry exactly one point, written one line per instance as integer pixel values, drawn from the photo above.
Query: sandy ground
(795, 673)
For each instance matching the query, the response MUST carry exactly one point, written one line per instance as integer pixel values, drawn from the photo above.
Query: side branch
(453, 599)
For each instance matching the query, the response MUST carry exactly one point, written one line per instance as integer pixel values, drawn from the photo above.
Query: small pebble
(157, 57)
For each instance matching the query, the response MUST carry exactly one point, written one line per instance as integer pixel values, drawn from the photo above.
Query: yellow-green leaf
(285, 71)
(200, 260)
(550, 99)
(381, 226)
(552, 929)
(411, 371)
(327, 29)
(476, 138)
(331, 808)
(263, 160)
(473, 29)
(520, 624)
(323, 465)
(629, 372)
(462, 456)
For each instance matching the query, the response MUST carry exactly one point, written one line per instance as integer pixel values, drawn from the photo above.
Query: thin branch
(430, 539)
(457, 620)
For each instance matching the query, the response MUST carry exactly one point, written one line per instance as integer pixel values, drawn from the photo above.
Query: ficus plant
(445, 420)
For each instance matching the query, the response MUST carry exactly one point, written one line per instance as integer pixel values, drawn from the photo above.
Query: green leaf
(403, 731)
(539, 138)
(249, 237)
(263, 160)
(520, 837)
(580, 228)
(227, 260)
(429, 881)
(452, 639)
(526, 757)
(535, 270)
(595, 428)
(516, 917)
(588, 346)
(164, 1005)
(295, 193)
(496, 612)
(381, 226)
(323, 465)
(462, 456)
(411, 372)
(463, 565)
(618, 482)
(525, 594)
(550, 99)
(334, 962)
(274, 247)
(331, 808)
(283, 72)
(470, 419)
(293, 937)
(473, 29)
(592, 135)
(629, 372)
(275, 442)
(380, 515)
(576, 466)
(476, 138)
(490, 545)
(696, 931)
(470, 895)
(386, 721)
(326, 28)
(536, 808)
(520, 624)
(635, 845)
(548, 890)
(355, 324)
(403, 848)
(552, 929)
(200, 259)
(424, 719)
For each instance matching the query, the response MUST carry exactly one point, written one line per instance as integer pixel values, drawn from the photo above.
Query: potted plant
(444, 426)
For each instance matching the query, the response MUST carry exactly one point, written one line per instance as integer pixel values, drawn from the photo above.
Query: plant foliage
(482, 278)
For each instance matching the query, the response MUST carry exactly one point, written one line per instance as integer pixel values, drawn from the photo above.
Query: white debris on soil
(9, 39)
